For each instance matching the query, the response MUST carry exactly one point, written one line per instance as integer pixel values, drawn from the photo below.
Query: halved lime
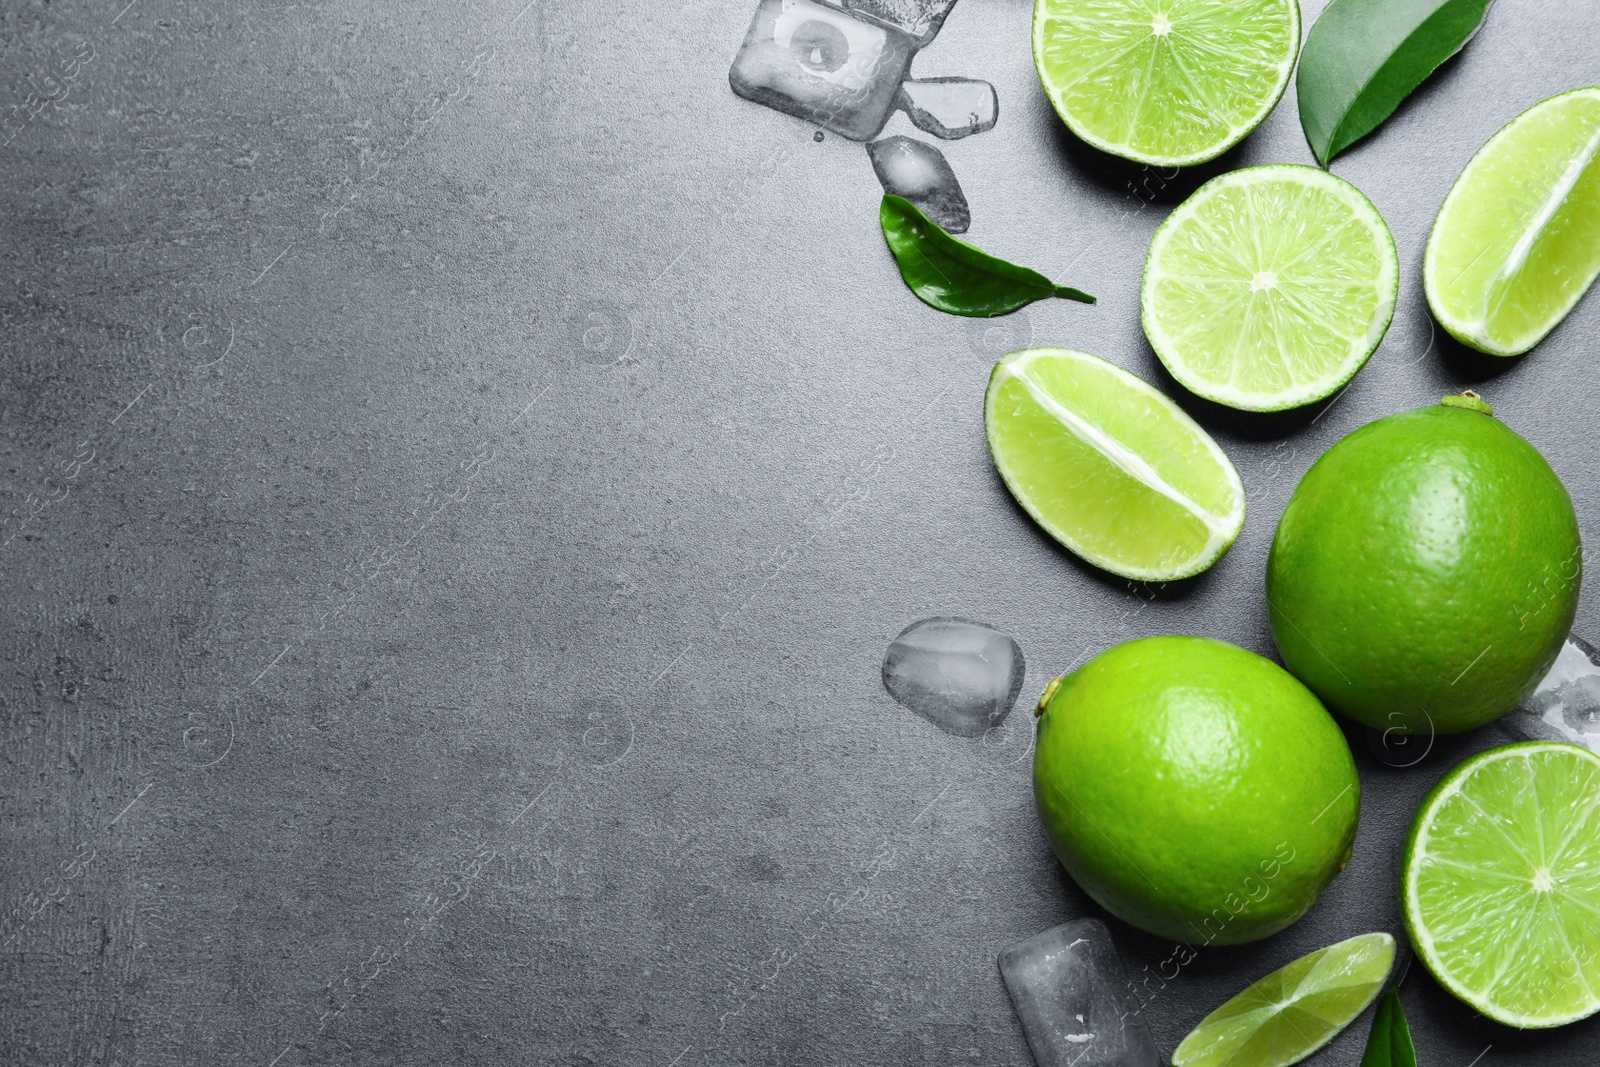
(1501, 883)
(1517, 242)
(1270, 287)
(1164, 82)
(1109, 467)
(1295, 1010)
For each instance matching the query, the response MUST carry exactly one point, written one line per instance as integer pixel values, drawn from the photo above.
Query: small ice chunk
(960, 675)
(1073, 998)
(919, 172)
(919, 18)
(1565, 706)
(822, 64)
(949, 107)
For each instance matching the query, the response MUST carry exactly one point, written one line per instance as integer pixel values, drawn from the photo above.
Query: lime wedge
(1517, 242)
(1164, 82)
(1501, 883)
(1270, 287)
(1109, 467)
(1294, 1011)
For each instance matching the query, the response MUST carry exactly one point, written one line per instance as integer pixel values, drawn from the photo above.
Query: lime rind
(1321, 992)
(1260, 258)
(1220, 526)
(1237, 117)
(1476, 332)
(1506, 873)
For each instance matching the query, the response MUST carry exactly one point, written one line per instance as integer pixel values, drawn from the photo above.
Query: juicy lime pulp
(1517, 242)
(1194, 789)
(1164, 82)
(1501, 883)
(1109, 467)
(1269, 287)
(1295, 1010)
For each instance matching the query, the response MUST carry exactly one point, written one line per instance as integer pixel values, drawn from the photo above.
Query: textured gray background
(447, 629)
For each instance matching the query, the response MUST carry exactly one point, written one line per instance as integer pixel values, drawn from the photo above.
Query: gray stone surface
(479, 462)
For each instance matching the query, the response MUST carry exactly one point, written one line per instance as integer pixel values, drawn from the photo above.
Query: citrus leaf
(1390, 1043)
(952, 275)
(1363, 57)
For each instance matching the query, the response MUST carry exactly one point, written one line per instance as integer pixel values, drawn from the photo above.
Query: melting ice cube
(919, 172)
(960, 675)
(822, 64)
(919, 18)
(1566, 704)
(1073, 999)
(949, 107)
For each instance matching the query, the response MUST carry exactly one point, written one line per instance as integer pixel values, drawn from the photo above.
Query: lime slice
(1294, 1011)
(1109, 467)
(1270, 287)
(1517, 242)
(1164, 82)
(1501, 883)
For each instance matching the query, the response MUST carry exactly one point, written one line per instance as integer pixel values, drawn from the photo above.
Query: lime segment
(1109, 467)
(1294, 1011)
(1270, 287)
(1517, 242)
(1501, 883)
(1164, 82)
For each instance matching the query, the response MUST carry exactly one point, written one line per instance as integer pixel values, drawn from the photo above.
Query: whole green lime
(1194, 789)
(1426, 571)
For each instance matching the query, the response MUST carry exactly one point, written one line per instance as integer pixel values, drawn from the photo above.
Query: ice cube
(919, 172)
(920, 19)
(1074, 1001)
(822, 64)
(1565, 706)
(949, 107)
(960, 675)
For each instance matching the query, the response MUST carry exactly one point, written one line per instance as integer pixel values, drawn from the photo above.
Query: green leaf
(1390, 1043)
(952, 275)
(1363, 57)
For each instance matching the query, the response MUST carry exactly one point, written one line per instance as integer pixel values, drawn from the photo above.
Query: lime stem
(1469, 400)
(1044, 697)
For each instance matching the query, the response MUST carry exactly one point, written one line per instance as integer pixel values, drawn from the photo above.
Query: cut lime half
(1517, 242)
(1109, 467)
(1295, 1010)
(1500, 886)
(1165, 82)
(1270, 287)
